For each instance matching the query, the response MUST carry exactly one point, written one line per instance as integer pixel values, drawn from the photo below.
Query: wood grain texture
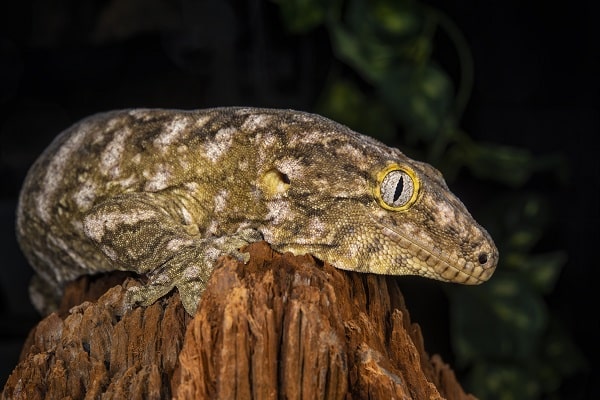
(281, 326)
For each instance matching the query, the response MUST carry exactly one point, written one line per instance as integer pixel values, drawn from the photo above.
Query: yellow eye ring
(397, 187)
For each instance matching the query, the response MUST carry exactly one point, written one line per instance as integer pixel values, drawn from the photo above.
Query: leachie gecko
(166, 192)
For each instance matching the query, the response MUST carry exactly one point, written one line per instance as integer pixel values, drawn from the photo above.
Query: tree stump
(281, 326)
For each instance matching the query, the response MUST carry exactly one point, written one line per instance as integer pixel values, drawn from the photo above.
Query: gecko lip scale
(444, 269)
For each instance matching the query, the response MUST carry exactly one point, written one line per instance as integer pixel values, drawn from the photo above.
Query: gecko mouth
(434, 263)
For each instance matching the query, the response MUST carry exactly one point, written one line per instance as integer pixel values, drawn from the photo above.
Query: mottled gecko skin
(166, 192)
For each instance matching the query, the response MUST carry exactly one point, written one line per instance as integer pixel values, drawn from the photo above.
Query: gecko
(164, 193)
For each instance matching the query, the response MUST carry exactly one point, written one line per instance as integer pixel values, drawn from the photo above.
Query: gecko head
(439, 239)
(362, 206)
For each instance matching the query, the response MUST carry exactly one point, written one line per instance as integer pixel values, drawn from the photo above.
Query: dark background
(535, 86)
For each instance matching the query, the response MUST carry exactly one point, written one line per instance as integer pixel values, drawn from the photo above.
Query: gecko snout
(487, 258)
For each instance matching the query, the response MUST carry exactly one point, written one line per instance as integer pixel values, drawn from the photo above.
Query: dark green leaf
(500, 319)
(419, 97)
(519, 219)
(541, 270)
(300, 16)
(398, 18)
(344, 102)
(510, 165)
(498, 381)
(369, 57)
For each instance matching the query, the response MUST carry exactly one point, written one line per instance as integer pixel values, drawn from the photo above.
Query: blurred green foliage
(507, 343)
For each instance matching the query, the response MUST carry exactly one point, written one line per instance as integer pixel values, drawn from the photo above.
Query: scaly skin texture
(166, 192)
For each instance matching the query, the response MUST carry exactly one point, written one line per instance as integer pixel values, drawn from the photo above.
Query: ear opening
(274, 182)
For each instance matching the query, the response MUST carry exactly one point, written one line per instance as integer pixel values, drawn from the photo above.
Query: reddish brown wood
(281, 326)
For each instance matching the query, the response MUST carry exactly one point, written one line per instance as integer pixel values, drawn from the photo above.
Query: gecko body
(166, 192)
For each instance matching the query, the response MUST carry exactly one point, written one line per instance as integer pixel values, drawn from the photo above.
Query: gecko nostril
(483, 258)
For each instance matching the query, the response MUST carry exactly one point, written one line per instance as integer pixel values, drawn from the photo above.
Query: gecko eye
(397, 187)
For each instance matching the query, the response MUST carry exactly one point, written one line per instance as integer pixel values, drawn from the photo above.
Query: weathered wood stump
(281, 326)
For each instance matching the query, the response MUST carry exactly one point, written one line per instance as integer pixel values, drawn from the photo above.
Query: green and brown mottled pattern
(166, 192)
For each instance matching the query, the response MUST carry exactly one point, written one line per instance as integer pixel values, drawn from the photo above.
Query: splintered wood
(281, 326)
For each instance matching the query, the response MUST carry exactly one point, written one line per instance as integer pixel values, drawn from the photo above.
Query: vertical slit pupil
(399, 188)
